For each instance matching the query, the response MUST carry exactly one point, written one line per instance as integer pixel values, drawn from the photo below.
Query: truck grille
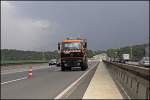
(72, 54)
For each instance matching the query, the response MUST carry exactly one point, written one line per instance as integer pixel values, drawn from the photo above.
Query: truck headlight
(78, 64)
(63, 61)
(65, 65)
(79, 60)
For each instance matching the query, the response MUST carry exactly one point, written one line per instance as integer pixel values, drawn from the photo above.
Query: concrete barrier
(135, 85)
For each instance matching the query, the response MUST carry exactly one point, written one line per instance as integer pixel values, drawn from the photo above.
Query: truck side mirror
(58, 46)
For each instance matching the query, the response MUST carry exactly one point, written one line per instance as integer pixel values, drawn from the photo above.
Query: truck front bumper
(72, 62)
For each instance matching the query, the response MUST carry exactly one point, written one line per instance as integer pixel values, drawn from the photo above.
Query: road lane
(40, 69)
(78, 91)
(14, 80)
(45, 84)
(71, 86)
(22, 68)
(17, 75)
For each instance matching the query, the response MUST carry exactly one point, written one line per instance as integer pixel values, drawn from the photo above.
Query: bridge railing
(133, 79)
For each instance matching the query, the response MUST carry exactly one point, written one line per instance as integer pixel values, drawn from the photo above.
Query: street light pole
(119, 55)
(131, 52)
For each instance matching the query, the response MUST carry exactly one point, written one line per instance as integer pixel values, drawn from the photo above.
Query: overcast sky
(40, 25)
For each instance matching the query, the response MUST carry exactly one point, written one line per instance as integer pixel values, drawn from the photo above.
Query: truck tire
(83, 68)
(62, 68)
(86, 66)
(69, 68)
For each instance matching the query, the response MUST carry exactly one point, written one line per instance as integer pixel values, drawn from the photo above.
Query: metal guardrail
(133, 63)
(137, 69)
(134, 79)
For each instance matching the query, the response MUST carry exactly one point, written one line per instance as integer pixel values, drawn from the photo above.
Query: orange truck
(73, 53)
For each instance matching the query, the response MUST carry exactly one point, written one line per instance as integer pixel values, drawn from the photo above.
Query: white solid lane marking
(14, 80)
(21, 70)
(21, 78)
(57, 70)
(73, 84)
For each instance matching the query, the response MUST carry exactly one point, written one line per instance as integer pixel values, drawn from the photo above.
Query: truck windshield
(72, 45)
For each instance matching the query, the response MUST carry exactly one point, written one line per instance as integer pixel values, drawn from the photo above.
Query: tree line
(138, 51)
(14, 55)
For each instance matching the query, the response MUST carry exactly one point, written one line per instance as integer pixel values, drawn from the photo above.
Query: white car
(52, 62)
(145, 61)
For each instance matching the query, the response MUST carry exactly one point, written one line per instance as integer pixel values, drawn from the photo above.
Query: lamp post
(119, 55)
(131, 53)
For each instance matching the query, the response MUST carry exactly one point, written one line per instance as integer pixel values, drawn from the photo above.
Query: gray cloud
(40, 25)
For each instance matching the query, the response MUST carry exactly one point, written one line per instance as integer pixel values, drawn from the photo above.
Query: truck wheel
(86, 66)
(69, 68)
(83, 68)
(62, 68)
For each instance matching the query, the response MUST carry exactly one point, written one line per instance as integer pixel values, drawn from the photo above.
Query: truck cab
(73, 53)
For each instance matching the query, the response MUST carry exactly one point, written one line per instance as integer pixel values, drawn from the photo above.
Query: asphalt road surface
(46, 83)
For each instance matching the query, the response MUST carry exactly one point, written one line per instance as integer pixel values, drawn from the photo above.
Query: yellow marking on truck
(72, 41)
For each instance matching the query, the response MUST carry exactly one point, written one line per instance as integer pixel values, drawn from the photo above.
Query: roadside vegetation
(12, 56)
(137, 51)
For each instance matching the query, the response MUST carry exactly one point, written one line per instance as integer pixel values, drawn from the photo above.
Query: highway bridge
(102, 80)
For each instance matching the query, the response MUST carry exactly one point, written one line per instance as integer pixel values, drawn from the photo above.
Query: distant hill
(13, 55)
(20, 55)
(138, 51)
